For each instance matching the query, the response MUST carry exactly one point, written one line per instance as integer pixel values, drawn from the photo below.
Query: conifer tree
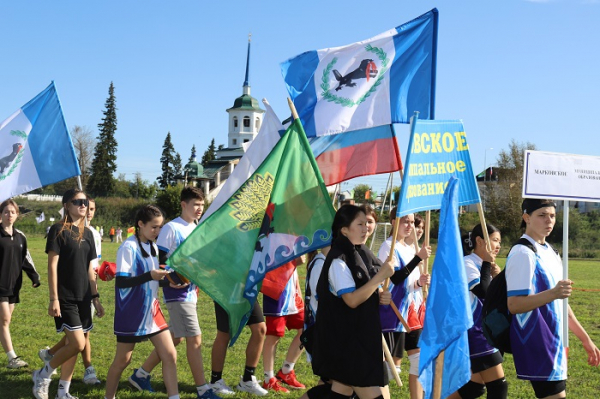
(102, 182)
(193, 154)
(170, 163)
(210, 153)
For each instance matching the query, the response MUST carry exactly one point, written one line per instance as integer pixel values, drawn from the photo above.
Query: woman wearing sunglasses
(72, 286)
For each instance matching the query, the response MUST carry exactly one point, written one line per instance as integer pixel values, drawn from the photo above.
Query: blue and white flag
(375, 82)
(36, 148)
(40, 218)
(437, 150)
(448, 315)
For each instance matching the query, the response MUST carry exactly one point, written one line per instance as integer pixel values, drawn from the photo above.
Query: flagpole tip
(293, 109)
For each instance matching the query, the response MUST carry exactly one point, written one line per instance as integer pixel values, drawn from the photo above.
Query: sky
(524, 70)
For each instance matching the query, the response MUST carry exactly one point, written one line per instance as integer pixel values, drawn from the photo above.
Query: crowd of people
(344, 321)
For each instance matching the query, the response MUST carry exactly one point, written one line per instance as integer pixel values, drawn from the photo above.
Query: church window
(246, 121)
(235, 121)
(246, 140)
(257, 124)
(234, 141)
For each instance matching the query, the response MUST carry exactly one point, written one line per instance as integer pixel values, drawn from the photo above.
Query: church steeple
(247, 79)
(245, 117)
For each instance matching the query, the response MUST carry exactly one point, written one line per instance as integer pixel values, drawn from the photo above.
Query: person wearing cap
(535, 287)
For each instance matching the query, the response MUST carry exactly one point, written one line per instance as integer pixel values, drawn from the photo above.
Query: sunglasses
(80, 202)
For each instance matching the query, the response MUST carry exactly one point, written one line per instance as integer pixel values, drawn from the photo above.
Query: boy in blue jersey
(180, 300)
(535, 287)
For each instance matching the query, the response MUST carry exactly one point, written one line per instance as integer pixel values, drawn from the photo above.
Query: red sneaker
(274, 385)
(290, 379)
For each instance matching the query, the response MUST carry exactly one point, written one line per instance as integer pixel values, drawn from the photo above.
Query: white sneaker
(220, 388)
(40, 385)
(45, 355)
(252, 387)
(89, 377)
(67, 396)
(16, 363)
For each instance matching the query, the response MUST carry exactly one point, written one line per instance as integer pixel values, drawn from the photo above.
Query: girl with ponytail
(138, 316)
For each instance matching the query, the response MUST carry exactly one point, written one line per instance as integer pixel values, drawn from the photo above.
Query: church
(245, 119)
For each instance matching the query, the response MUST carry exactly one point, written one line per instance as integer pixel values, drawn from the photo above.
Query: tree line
(97, 157)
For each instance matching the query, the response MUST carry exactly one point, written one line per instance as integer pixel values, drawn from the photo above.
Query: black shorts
(10, 299)
(322, 392)
(401, 341)
(482, 363)
(223, 319)
(74, 315)
(543, 389)
(136, 339)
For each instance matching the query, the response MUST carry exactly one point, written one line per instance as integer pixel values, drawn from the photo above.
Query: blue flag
(437, 150)
(448, 314)
(36, 146)
(375, 82)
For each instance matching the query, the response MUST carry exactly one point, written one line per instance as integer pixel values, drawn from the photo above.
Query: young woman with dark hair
(347, 349)
(14, 259)
(138, 316)
(486, 361)
(72, 286)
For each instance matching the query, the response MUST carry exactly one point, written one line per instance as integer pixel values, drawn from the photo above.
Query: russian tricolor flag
(357, 153)
(35, 146)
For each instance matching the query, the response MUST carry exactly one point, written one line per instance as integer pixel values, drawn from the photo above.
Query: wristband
(96, 296)
(419, 285)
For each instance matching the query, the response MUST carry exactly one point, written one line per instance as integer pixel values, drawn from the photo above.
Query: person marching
(347, 348)
(14, 259)
(89, 376)
(180, 300)
(407, 293)
(72, 288)
(287, 311)
(138, 316)
(535, 287)
(486, 361)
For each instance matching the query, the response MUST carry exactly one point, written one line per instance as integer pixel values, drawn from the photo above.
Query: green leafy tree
(121, 187)
(141, 188)
(169, 201)
(170, 163)
(101, 181)
(360, 191)
(210, 153)
(502, 197)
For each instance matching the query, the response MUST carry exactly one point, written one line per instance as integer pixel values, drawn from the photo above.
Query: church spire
(247, 79)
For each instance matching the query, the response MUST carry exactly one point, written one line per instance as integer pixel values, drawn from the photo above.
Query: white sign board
(561, 176)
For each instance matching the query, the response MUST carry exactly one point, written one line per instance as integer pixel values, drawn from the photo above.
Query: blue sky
(511, 69)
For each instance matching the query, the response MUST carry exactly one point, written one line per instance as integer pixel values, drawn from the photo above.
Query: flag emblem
(250, 202)
(14, 157)
(357, 89)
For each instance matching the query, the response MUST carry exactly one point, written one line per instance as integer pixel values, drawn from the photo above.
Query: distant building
(245, 120)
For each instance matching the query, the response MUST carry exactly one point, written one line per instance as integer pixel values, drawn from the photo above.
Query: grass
(32, 329)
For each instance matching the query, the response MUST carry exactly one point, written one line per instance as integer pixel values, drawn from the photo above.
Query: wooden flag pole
(486, 236)
(437, 379)
(390, 361)
(427, 229)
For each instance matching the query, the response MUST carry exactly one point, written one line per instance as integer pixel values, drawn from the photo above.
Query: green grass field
(32, 329)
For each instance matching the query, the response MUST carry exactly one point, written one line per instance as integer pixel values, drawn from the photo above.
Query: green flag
(282, 211)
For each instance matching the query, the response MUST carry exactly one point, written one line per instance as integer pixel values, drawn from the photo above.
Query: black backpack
(496, 317)
(307, 337)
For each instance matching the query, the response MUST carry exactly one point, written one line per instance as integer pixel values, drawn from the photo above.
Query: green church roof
(246, 102)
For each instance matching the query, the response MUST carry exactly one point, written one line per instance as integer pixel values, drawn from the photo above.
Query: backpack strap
(524, 241)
